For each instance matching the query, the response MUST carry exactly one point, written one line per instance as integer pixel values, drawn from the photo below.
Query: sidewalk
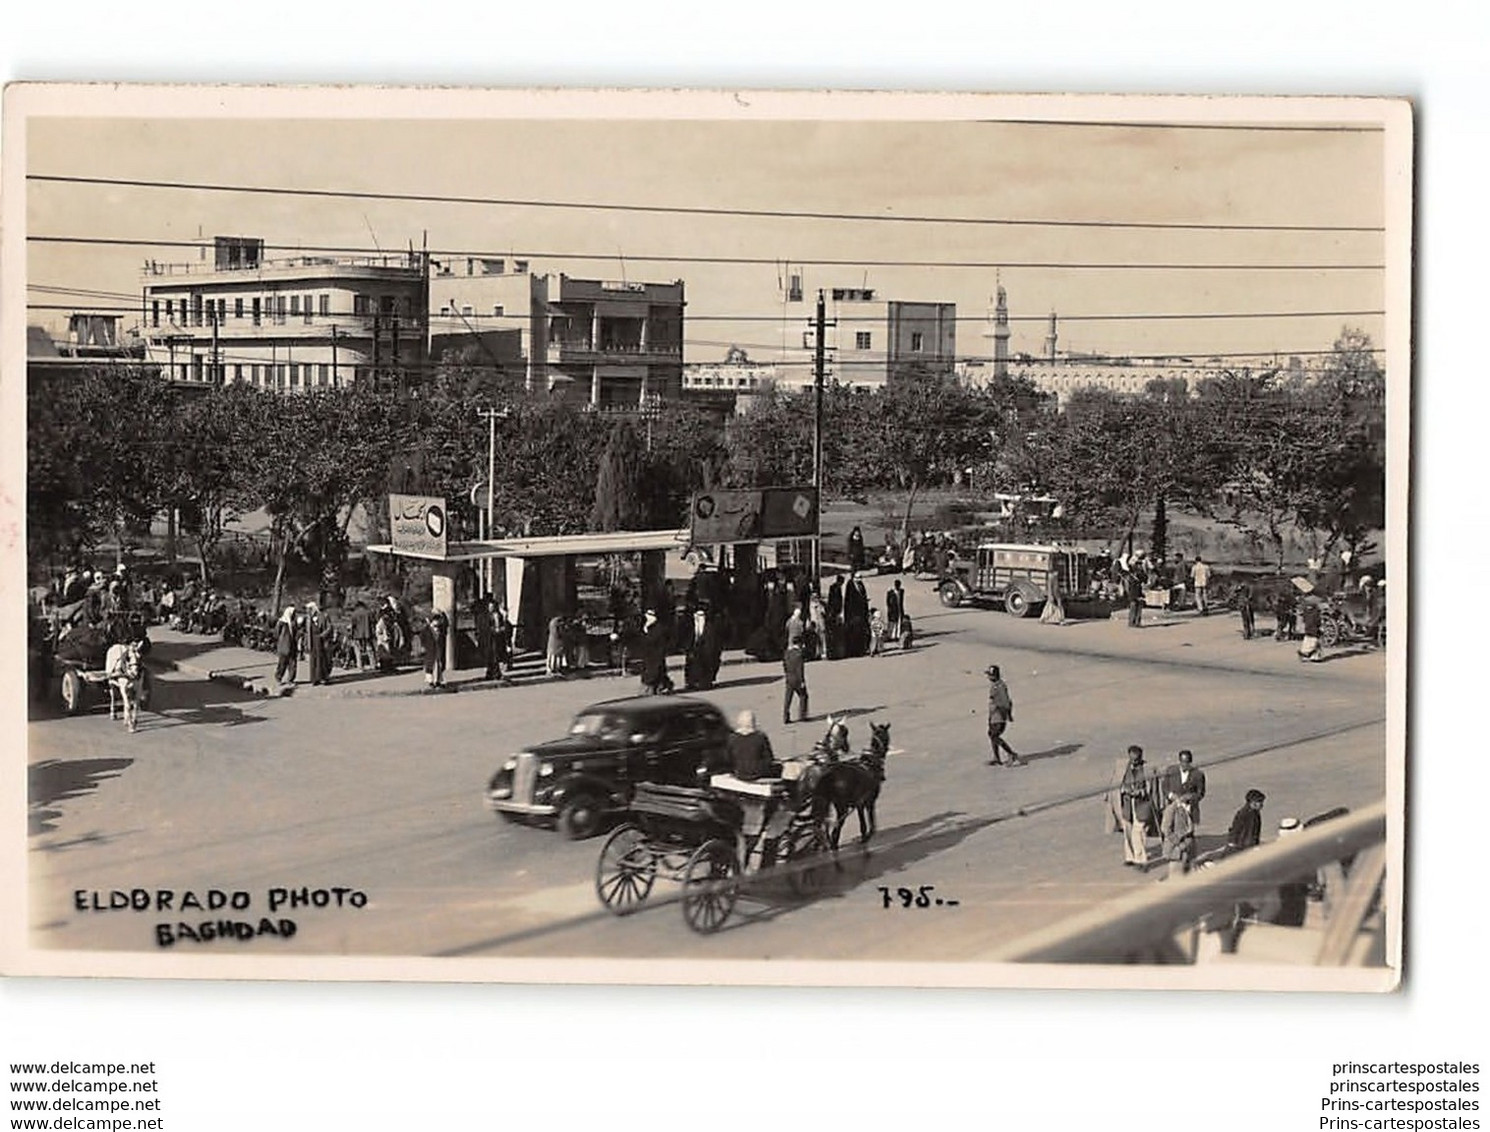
(207, 658)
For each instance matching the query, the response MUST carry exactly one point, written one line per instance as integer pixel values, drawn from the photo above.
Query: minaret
(1001, 335)
(1050, 340)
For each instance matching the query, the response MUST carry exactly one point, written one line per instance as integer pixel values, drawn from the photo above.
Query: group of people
(1143, 804)
(309, 631)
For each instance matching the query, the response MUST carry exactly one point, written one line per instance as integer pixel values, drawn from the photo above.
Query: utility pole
(489, 525)
(818, 366)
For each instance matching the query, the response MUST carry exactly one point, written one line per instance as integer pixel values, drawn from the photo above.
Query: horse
(123, 675)
(852, 786)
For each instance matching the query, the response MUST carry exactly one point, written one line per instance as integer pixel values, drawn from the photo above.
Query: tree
(619, 501)
(215, 433)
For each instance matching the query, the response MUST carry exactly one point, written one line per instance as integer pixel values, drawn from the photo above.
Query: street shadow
(56, 780)
(891, 850)
(1342, 654)
(920, 636)
(744, 682)
(193, 702)
(1053, 752)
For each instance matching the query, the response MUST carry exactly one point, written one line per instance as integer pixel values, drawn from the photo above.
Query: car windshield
(598, 725)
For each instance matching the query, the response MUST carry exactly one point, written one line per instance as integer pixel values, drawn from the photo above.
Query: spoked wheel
(710, 886)
(808, 843)
(1329, 632)
(74, 692)
(626, 870)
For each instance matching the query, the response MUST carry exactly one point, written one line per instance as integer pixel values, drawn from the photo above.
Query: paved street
(224, 789)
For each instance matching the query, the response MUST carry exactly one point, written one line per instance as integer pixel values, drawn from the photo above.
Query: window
(237, 308)
(445, 310)
(155, 312)
(917, 341)
(794, 289)
(294, 375)
(498, 311)
(256, 311)
(196, 367)
(256, 374)
(861, 340)
(360, 305)
(279, 308)
(294, 304)
(237, 371)
(321, 373)
(325, 308)
(306, 307)
(196, 310)
(520, 266)
(279, 376)
(467, 310)
(222, 311)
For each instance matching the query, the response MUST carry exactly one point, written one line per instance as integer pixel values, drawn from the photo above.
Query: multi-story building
(870, 341)
(292, 323)
(603, 342)
(92, 342)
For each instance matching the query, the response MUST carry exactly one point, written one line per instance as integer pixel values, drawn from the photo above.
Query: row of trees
(1267, 451)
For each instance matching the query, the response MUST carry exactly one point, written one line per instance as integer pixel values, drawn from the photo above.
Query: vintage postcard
(722, 537)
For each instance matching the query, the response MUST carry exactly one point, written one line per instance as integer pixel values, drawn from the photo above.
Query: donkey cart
(713, 841)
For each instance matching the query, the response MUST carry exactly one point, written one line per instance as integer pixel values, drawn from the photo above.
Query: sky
(890, 159)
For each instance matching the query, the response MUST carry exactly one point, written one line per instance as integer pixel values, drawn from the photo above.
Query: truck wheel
(949, 593)
(1018, 604)
(74, 693)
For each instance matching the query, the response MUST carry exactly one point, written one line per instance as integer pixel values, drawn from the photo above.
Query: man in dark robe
(1246, 824)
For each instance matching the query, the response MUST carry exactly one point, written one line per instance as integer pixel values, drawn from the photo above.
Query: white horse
(122, 673)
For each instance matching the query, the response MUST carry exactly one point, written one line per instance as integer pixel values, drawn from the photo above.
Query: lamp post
(487, 525)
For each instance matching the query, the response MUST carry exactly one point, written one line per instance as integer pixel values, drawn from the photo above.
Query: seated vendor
(749, 750)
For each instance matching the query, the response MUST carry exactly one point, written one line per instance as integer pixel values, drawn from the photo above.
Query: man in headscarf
(286, 648)
(749, 750)
(318, 632)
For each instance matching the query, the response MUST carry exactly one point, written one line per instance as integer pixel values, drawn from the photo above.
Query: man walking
(1134, 582)
(1200, 578)
(1000, 715)
(1136, 799)
(793, 663)
(1309, 647)
(362, 635)
(894, 607)
(1183, 777)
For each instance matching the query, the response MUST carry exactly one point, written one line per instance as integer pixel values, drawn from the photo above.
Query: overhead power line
(686, 210)
(478, 317)
(808, 261)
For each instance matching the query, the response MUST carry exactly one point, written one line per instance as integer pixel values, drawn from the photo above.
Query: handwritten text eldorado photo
(250, 921)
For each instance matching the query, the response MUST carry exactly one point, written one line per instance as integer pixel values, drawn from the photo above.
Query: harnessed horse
(122, 674)
(851, 786)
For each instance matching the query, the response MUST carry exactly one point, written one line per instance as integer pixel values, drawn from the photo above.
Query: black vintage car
(579, 781)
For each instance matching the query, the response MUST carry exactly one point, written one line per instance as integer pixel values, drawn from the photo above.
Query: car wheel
(949, 593)
(1017, 603)
(73, 692)
(581, 817)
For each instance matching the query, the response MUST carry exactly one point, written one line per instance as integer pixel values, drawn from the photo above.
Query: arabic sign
(418, 525)
(726, 516)
(752, 515)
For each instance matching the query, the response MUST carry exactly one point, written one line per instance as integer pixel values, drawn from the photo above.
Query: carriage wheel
(1329, 632)
(809, 841)
(710, 886)
(625, 871)
(74, 692)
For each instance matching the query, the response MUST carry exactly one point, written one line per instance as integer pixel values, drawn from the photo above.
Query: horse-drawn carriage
(719, 841)
(80, 661)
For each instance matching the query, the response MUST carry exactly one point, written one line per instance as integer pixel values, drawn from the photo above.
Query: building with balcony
(602, 342)
(293, 323)
(92, 342)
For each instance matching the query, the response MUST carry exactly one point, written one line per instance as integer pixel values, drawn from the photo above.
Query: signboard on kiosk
(789, 512)
(753, 514)
(418, 525)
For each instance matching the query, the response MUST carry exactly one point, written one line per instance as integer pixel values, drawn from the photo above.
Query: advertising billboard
(418, 525)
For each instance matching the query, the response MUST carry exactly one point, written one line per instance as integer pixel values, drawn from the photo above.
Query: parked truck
(1020, 577)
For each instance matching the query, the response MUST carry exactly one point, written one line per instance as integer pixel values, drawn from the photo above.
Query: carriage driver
(751, 759)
